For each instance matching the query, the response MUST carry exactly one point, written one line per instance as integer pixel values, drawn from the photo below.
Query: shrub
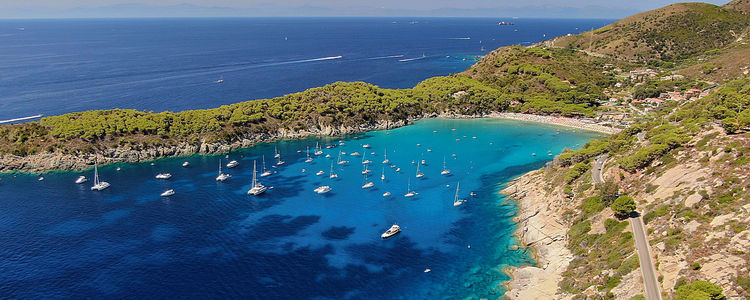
(699, 290)
(576, 171)
(623, 206)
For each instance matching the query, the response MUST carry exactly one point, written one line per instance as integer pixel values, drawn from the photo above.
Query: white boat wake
(21, 119)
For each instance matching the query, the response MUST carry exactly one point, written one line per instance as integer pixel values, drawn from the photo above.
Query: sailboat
(276, 153)
(409, 192)
(364, 160)
(265, 172)
(221, 79)
(332, 175)
(222, 176)
(457, 202)
(445, 171)
(256, 188)
(318, 151)
(309, 159)
(419, 175)
(341, 162)
(385, 157)
(368, 184)
(98, 185)
(382, 175)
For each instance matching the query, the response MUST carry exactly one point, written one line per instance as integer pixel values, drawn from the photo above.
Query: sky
(255, 8)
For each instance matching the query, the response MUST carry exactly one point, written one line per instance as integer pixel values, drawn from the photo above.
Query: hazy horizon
(327, 8)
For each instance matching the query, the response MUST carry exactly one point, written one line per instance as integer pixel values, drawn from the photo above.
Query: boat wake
(460, 38)
(385, 57)
(412, 59)
(21, 119)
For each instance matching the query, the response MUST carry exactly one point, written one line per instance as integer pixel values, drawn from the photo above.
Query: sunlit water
(62, 240)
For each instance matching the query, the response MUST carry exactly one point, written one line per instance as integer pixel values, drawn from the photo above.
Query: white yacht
(354, 154)
(278, 160)
(424, 162)
(368, 185)
(222, 176)
(409, 192)
(332, 175)
(41, 179)
(98, 185)
(318, 151)
(319, 173)
(386, 194)
(265, 172)
(309, 159)
(221, 80)
(394, 230)
(256, 188)
(342, 162)
(167, 193)
(366, 146)
(322, 189)
(233, 164)
(445, 171)
(364, 160)
(398, 169)
(419, 175)
(276, 153)
(456, 201)
(163, 176)
(185, 164)
(81, 179)
(385, 157)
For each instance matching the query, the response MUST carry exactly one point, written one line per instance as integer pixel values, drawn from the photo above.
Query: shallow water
(61, 240)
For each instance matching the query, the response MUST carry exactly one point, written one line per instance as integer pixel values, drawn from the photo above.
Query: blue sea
(212, 240)
(60, 240)
(58, 66)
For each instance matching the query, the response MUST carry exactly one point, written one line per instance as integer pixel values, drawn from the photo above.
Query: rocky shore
(48, 161)
(539, 227)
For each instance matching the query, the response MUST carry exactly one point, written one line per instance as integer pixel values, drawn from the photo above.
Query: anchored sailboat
(309, 159)
(409, 192)
(98, 185)
(385, 157)
(445, 171)
(265, 172)
(332, 175)
(256, 188)
(222, 176)
(456, 201)
(419, 175)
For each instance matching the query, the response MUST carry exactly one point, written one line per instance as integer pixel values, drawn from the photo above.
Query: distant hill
(671, 34)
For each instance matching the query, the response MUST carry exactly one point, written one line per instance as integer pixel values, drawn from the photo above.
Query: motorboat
(233, 164)
(322, 189)
(81, 179)
(366, 146)
(394, 230)
(185, 164)
(368, 185)
(320, 173)
(163, 176)
(167, 193)
(386, 194)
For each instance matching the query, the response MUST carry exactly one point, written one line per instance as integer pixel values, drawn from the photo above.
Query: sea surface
(60, 240)
(58, 66)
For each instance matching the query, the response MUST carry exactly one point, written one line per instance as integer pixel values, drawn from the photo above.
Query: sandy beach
(584, 124)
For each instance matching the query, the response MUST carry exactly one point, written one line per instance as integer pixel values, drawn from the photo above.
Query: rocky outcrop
(47, 161)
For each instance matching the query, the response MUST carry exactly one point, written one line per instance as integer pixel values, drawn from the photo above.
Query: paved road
(644, 255)
(596, 173)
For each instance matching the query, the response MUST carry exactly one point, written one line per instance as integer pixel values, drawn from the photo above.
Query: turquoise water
(210, 239)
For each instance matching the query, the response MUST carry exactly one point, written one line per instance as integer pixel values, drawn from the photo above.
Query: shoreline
(538, 229)
(46, 162)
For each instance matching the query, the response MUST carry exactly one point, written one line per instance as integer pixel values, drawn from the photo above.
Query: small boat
(398, 169)
(98, 185)
(366, 146)
(320, 173)
(456, 201)
(256, 188)
(386, 194)
(368, 185)
(81, 179)
(309, 159)
(429, 150)
(221, 80)
(167, 193)
(427, 270)
(472, 194)
(265, 172)
(322, 189)
(533, 154)
(354, 154)
(185, 164)
(318, 151)
(41, 179)
(152, 164)
(385, 157)
(445, 171)
(233, 164)
(328, 156)
(332, 175)
(394, 230)
(163, 176)
(276, 153)
(409, 192)
(419, 175)
(118, 169)
(382, 175)
(222, 176)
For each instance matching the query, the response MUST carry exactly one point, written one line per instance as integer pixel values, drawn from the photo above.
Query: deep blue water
(57, 66)
(211, 240)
